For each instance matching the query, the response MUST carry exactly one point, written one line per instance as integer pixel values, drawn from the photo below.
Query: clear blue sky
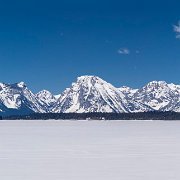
(47, 44)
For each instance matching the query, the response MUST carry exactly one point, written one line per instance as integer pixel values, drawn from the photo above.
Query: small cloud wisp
(124, 51)
(176, 29)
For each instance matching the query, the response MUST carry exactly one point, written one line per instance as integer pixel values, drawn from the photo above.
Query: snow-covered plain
(89, 150)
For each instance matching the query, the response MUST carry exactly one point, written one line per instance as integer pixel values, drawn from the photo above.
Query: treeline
(154, 115)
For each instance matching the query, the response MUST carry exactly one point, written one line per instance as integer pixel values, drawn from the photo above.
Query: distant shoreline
(154, 115)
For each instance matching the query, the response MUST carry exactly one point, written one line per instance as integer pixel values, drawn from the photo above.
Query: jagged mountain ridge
(18, 99)
(47, 99)
(90, 94)
(158, 95)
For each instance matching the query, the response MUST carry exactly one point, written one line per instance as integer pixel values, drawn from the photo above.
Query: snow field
(89, 150)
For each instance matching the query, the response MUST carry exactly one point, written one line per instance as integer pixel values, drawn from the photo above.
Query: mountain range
(90, 94)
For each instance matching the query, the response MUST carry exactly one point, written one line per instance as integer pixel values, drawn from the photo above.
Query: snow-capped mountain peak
(21, 85)
(44, 93)
(18, 97)
(91, 94)
(46, 98)
(157, 95)
(156, 84)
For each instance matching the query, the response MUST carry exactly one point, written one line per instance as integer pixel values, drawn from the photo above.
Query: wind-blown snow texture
(90, 94)
(89, 150)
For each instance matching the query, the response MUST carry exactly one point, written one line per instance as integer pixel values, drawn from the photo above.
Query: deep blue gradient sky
(48, 44)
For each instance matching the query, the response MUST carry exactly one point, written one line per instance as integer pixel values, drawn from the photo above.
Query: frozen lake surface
(89, 150)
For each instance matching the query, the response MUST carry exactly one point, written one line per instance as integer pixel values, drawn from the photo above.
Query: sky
(48, 44)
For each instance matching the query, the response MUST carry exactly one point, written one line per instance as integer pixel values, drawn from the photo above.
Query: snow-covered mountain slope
(176, 89)
(46, 99)
(158, 95)
(18, 98)
(92, 94)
